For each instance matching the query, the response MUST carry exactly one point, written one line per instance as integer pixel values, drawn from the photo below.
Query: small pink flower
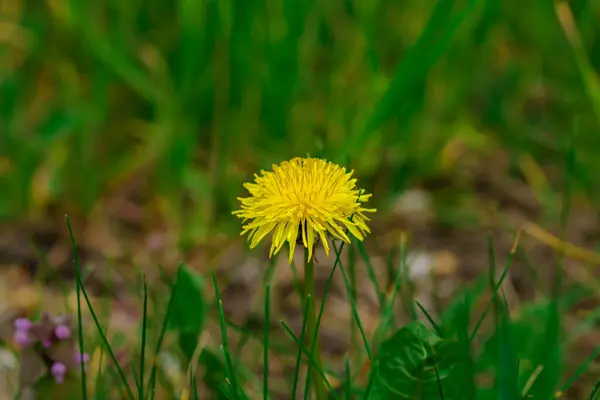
(47, 343)
(21, 338)
(79, 357)
(58, 370)
(62, 332)
(22, 324)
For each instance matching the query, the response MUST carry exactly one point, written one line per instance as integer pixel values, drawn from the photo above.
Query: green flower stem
(354, 333)
(309, 281)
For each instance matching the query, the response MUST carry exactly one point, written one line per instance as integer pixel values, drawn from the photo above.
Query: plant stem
(309, 281)
(354, 291)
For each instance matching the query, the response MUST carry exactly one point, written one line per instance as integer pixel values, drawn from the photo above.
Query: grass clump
(424, 359)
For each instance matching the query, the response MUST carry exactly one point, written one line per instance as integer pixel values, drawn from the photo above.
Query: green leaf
(415, 363)
(214, 376)
(189, 308)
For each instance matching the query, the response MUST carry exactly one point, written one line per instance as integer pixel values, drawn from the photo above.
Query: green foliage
(417, 364)
(188, 312)
(191, 97)
(174, 104)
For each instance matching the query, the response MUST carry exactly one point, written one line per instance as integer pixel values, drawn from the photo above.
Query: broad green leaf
(188, 313)
(415, 363)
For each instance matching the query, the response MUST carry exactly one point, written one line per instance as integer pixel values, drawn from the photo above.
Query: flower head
(21, 338)
(305, 198)
(58, 370)
(22, 324)
(62, 332)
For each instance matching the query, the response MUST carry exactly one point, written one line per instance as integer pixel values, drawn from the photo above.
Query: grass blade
(290, 332)
(586, 69)
(267, 328)
(98, 392)
(595, 391)
(582, 368)
(413, 69)
(436, 327)
(79, 288)
(318, 324)
(355, 313)
(492, 277)
(193, 385)
(371, 272)
(154, 370)
(439, 383)
(96, 322)
(230, 375)
(497, 286)
(136, 377)
(347, 380)
(386, 317)
(299, 356)
(353, 291)
(143, 350)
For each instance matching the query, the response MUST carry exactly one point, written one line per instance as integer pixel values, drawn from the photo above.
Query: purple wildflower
(58, 370)
(47, 343)
(22, 324)
(62, 332)
(21, 337)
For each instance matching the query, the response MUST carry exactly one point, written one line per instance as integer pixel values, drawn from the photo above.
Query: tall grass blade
(435, 326)
(318, 324)
(97, 323)
(439, 383)
(595, 391)
(386, 314)
(98, 382)
(353, 291)
(230, 373)
(136, 377)
(371, 272)
(267, 329)
(299, 355)
(585, 366)
(354, 306)
(163, 331)
(492, 270)
(193, 385)
(411, 72)
(497, 286)
(79, 320)
(317, 368)
(589, 76)
(347, 379)
(143, 349)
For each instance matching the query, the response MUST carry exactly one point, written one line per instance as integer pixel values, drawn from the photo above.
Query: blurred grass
(180, 101)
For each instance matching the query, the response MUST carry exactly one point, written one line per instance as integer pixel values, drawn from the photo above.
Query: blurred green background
(175, 103)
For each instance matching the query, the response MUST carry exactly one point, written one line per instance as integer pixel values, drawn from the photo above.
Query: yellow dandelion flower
(306, 197)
